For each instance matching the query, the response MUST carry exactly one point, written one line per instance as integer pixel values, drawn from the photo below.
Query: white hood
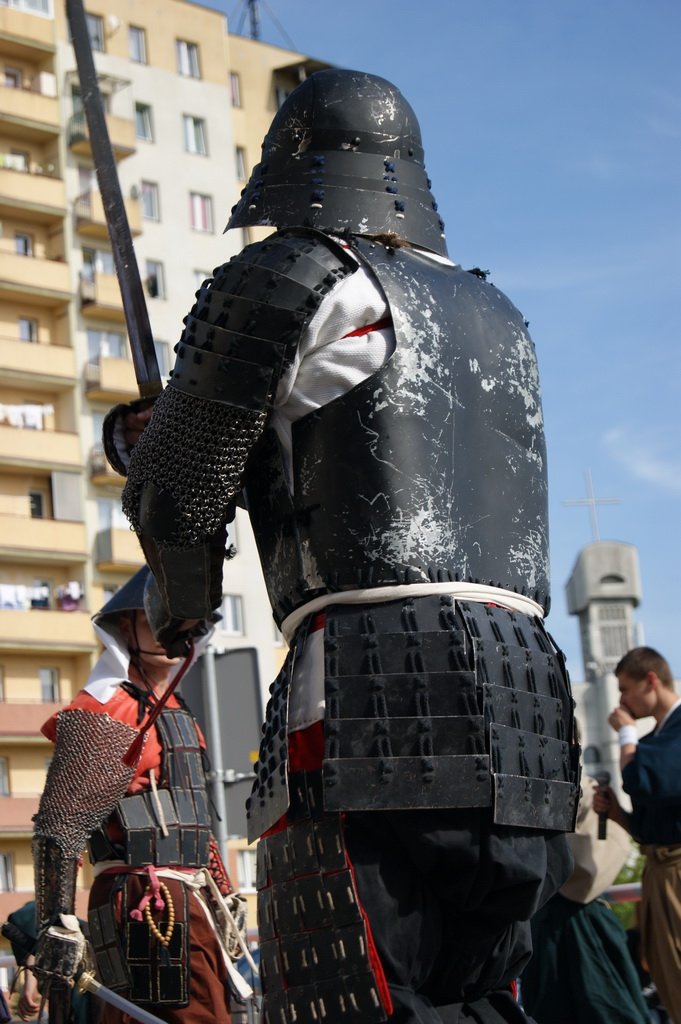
(113, 666)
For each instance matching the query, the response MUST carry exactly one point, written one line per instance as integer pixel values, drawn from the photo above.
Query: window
(232, 618)
(95, 27)
(97, 261)
(106, 344)
(151, 207)
(240, 156)
(12, 78)
(6, 872)
(281, 93)
(28, 330)
(194, 134)
(187, 58)
(35, 6)
(23, 244)
(201, 212)
(143, 124)
(156, 285)
(87, 180)
(49, 685)
(37, 504)
(200, 276)
(278, 638)
(137, 44)
(246, 868)
(110, 515)
(4, 781)
(235, 87)
(2, 684)
(163, 357)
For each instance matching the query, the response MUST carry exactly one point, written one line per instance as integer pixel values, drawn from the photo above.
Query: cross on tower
(591, 500)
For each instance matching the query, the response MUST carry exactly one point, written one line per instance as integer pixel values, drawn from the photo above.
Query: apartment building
(186, 105)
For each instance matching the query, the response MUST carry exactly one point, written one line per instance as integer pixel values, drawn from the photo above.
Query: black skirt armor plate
(433, 703)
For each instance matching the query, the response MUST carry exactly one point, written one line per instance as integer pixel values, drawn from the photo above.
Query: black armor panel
(439, 467)
(344, 154)
(183, 802)
(433, 703)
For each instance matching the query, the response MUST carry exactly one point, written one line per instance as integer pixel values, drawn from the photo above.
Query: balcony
(44, 629)
(43, 540)
(121, 134)
(32, 113)
(101, 471)
(45, 282)
(100, 298)
(35, 365)
(111, 380)
(26, 35)
(90, 219)
(47, 449)
(118, 550)
(24, 718)
(38, 197)
(16, 815)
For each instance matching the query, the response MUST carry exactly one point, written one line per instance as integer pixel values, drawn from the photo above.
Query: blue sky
(552, 131)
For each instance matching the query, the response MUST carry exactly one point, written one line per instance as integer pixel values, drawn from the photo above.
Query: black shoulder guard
(247, 321)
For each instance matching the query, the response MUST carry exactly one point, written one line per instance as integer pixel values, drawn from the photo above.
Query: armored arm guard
(86, 779)
(187, 467)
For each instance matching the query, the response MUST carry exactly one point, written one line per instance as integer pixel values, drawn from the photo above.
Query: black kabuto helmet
(344, 154)
(129, 597)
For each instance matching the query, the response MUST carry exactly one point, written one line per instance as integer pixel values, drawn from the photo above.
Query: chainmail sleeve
(85, 780)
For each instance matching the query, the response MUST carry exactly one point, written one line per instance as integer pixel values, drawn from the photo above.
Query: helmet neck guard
(344, 155)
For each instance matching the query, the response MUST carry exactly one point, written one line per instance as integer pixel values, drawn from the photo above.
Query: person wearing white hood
(165, 921)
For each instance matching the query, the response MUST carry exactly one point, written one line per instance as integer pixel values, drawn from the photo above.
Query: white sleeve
(328, 363)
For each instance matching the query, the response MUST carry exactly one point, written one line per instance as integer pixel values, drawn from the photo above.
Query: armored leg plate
(315, 962)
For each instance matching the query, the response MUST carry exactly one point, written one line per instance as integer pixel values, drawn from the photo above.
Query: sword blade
(88, 983)
(125, 261)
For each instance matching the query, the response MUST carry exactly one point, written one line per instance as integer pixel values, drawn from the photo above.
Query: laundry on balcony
(26, 416)
(20, 597)
(69, 595)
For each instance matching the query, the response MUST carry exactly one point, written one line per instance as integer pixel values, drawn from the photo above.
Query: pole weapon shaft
(125, 261)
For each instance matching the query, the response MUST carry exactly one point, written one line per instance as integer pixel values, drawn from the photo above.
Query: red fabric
(306, 748)
(378, 326)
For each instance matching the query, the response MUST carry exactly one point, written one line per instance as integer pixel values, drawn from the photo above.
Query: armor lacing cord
(158, 893)
(157, 803)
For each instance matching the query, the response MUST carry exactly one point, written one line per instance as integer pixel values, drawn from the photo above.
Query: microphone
(603, 779)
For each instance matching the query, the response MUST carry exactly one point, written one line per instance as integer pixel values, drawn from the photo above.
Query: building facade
(186, 105)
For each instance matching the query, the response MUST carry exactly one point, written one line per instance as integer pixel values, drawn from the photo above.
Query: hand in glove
(60, 951)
